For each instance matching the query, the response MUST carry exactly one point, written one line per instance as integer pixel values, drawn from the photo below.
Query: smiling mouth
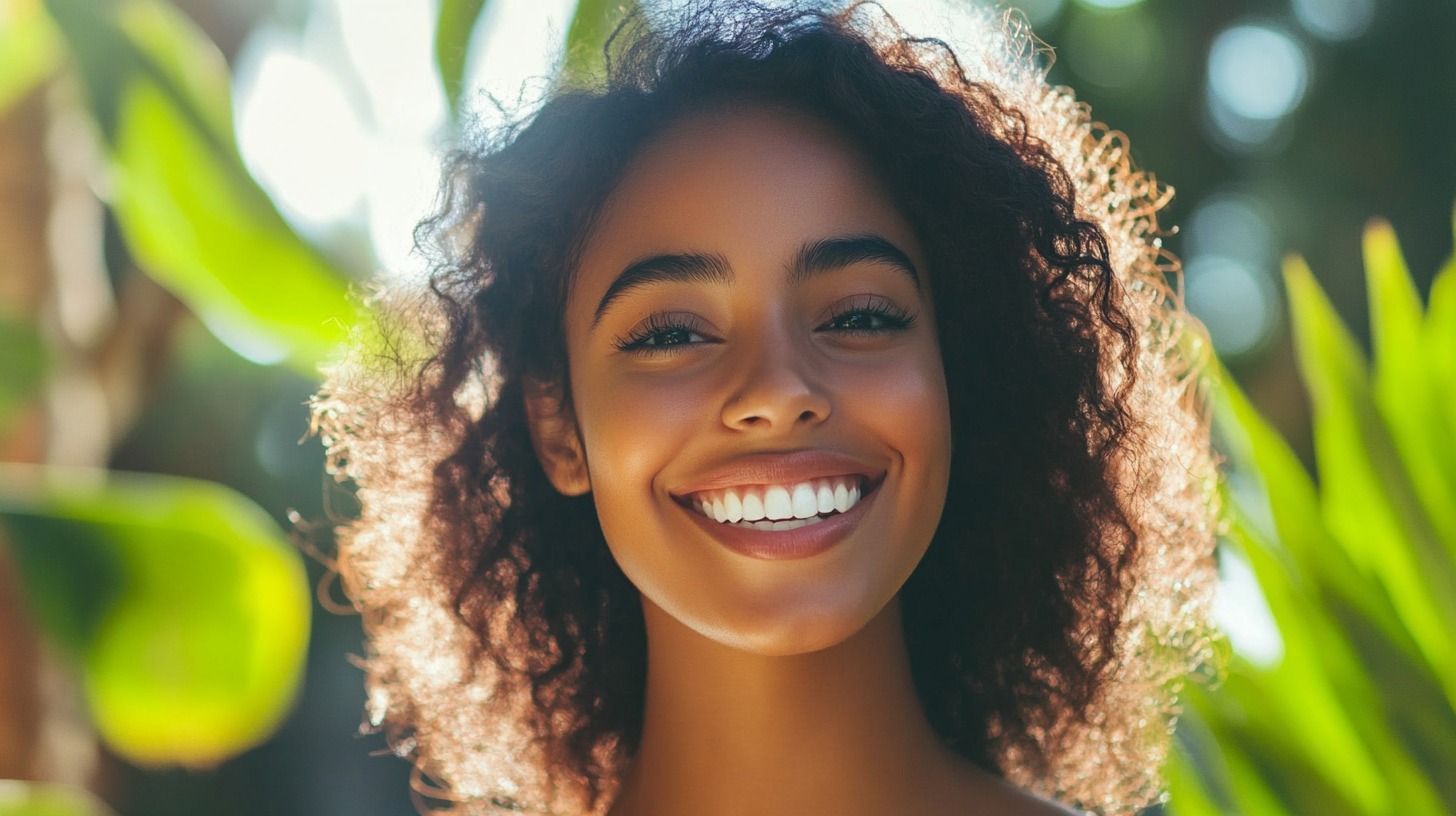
(780, 506)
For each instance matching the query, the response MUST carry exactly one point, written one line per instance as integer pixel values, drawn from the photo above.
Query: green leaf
(1440, 340)
(1238, 774)
(1186, 794)
(1329, 692)
(187, 207)
(1405, 392)
(593, 22)
(190, 609)
(1306, 551)
(1366, 494)
(19, 798)
(453, 27)
(29, 49)
(1303, 700)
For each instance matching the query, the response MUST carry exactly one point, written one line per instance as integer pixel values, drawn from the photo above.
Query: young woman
(799, 423)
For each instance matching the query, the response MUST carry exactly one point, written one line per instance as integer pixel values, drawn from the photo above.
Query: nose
(776, 388)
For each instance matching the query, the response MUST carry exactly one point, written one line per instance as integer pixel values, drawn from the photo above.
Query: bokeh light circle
(1257, 71)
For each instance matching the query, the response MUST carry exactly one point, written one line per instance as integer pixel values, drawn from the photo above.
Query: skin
(774, 686)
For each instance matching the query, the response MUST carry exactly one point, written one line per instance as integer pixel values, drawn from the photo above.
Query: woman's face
(750, 334)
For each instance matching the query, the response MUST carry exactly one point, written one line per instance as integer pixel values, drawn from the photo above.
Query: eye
(661, 333)
(867, 315)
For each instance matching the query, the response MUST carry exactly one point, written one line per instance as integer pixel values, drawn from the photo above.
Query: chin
(786, 630)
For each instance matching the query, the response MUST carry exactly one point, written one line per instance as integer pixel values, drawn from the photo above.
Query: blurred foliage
(590, 27)
(180, 602)
(185, 608)
(28, 49)
(23, 359)
(454, 25)
(1358, 715)
(34, 799)
(190, 212)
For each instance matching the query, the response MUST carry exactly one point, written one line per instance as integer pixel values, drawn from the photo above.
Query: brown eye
(661, 333)
(668, 337)
(869, 316)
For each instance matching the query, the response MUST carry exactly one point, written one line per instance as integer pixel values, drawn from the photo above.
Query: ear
(556, 439)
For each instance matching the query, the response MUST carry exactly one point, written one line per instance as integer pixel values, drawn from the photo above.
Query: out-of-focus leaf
(590, 26)
(1366, 495)
(1405, 392)
(236, 265)
(29, 49)
(1328, 716)
(18, 798)
(1306, 707)
(1440, 339)
(1304, 544)
(1358, 714)
(1187, 795)
(453, 27)
(192, 646)
(1238, 776)
(1327, 695)
(189, 210)
(22, 366)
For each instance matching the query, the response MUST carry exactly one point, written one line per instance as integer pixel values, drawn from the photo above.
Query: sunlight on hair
(463, 722)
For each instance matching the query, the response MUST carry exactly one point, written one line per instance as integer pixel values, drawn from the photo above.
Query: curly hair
(1066, 589)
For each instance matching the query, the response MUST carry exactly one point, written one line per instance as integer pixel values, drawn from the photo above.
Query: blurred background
(190, 189)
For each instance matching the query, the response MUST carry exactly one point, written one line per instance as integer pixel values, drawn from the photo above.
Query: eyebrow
(812, 259)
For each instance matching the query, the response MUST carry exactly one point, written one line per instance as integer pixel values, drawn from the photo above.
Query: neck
(835, 731)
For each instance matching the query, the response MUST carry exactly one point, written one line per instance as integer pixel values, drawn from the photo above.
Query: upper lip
(785, 468)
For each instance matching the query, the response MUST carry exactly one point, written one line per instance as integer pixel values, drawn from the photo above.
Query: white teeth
(752, 506)
(762, 508)
(732, 506)
(776, 503)
(806, 504)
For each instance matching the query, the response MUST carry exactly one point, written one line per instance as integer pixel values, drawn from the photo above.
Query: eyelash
(892, 318)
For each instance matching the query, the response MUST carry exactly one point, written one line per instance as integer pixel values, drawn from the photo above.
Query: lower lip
(784, 545)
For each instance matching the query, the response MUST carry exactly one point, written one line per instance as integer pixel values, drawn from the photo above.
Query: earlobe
(556, 438)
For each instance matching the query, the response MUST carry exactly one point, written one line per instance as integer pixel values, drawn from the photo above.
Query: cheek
(905, 399)
(633, 425)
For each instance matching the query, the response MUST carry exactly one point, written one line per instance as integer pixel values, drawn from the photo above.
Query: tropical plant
(1358, 714)
(180, 605)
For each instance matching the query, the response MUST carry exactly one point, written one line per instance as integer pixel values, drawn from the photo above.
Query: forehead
(751, 184)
